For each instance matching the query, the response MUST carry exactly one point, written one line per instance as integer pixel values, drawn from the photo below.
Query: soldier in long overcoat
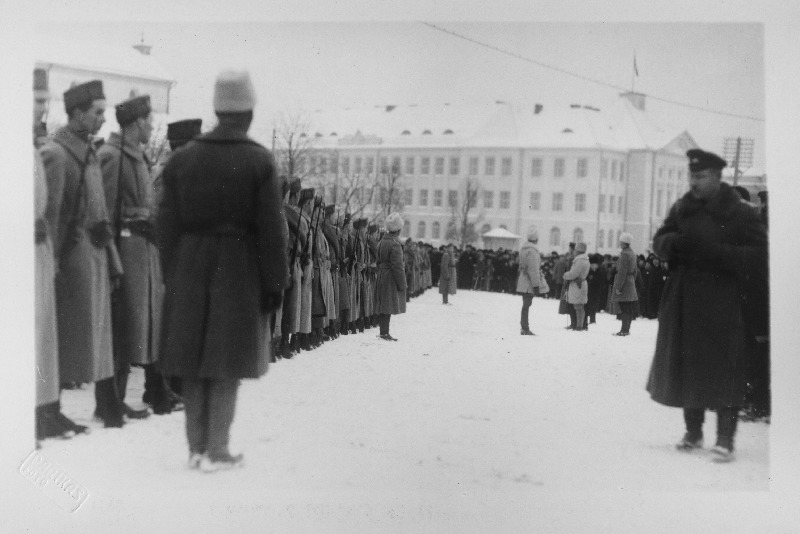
(578, 288)
(345, 276)
(331, 234)
(223, 249)
(529, 277)
(623, 290)
(298, 230)
(447, 274)
(82, 241)
(390, 298)
(137, 302)
(49, 419)
(711, 241)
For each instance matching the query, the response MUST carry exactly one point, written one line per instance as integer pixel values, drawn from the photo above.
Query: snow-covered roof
(495, 124)
(502, 233)
(123, 61)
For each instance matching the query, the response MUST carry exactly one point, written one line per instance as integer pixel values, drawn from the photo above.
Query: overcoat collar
(74, 144)
(134, 152)
(224, 134)
(723, 205)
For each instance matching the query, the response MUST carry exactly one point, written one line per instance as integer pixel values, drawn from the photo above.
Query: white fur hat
(533, 234)
(233, 92)
(625, 237)
(394, 222)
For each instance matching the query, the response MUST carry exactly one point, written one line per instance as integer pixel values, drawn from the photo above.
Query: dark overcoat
(390, 294)
(699, 359)
(137, 302)
(76, 204)
(223, 249)
(597, 289)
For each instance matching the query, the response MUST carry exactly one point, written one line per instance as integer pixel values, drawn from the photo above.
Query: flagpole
(633, 74)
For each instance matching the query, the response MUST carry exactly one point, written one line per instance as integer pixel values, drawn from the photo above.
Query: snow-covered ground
(461, 426)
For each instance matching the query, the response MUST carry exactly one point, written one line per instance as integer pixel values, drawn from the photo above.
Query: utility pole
(741, 152)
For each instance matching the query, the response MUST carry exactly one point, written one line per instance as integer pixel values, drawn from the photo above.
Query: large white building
(578, 173)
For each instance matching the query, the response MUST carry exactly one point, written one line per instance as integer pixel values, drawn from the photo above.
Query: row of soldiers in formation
(333, 273)
(100, 288)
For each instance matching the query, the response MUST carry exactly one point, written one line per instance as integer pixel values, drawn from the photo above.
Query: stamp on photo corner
(53, 481)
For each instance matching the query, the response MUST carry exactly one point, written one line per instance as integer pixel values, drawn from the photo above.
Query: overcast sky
(326, 65)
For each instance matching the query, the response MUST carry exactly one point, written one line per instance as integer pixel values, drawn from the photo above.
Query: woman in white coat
(578, 292)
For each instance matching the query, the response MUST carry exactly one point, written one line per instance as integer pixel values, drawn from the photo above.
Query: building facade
(577, 174)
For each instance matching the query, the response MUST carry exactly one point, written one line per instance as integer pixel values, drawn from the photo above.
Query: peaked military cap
(329, 209)
(134, 108)
(184, 130)
(83, 94)
(700, 160)
(359, 224)
(372, 228)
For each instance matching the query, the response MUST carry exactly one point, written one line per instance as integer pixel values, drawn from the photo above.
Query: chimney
(537, 109)
(143, 48)
(637, 99)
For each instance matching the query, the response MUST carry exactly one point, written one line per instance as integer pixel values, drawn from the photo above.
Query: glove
(271, 301)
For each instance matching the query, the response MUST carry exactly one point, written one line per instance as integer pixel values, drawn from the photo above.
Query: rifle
(314, 210)
(304, 196)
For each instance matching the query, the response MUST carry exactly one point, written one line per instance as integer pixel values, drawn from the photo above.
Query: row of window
(671, 173)
(557, 203)
(366, 165)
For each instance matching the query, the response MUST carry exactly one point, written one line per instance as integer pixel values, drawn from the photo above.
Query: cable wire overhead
(582, 77)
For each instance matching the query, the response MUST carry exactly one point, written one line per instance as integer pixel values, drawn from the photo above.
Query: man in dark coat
(391, 284)
(223, 249)
(596, 281)
(711, 241)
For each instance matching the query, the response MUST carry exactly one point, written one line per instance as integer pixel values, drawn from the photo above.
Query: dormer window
(448, 132)
(426, 132)
(405, 132)
(566, 130)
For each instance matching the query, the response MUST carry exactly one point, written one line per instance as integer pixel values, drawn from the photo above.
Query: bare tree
(294, 147)
(391, 193)
(463, 218)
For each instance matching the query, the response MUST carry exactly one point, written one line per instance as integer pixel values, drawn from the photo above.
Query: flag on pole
(635, 69)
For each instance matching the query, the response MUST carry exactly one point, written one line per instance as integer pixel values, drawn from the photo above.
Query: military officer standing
(712, 241)
(136, 303)
(82, 240)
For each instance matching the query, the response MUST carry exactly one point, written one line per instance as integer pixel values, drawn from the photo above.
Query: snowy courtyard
(461, 426)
